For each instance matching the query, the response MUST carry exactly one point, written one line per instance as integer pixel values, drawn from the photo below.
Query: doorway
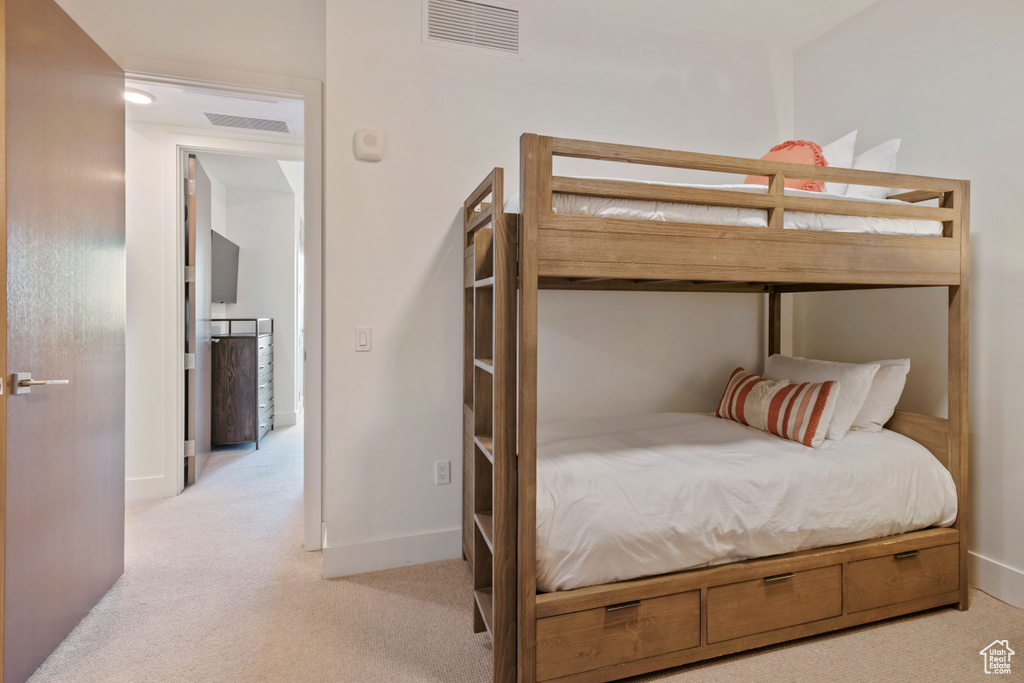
(232, 132)
(248, 276)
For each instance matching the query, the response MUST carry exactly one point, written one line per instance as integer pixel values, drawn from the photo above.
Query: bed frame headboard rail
(930, 432)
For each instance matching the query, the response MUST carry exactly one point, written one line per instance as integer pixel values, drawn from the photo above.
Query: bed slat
(656, 192)
(650, 156)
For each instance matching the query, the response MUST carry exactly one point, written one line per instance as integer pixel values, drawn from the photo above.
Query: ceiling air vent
(247, 122)
(477, 26)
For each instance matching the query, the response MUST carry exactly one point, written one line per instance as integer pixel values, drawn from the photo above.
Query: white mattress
(579, 205)
(641, 495)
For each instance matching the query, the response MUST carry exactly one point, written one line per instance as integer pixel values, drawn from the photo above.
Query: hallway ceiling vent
(249, 123)
(481, 27)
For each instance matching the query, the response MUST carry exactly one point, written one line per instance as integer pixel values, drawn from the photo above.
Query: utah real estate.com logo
(997, 657)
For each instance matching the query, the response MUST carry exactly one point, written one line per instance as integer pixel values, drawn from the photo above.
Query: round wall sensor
(369, 144)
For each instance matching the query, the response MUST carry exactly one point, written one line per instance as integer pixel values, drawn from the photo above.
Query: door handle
(23, 382)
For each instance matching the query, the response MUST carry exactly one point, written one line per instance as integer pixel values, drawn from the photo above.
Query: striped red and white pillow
(798, 412)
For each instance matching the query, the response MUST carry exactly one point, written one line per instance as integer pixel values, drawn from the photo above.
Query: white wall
(606, 353)
(155, 264)
(294, 174)
(218, 206)
(393, 250)
(945, 76)
(266, 36)
(150, 345)
(262, 224)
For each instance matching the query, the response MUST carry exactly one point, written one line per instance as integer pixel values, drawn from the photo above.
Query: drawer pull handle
(778, 577)
(909, 553)
(622, 605)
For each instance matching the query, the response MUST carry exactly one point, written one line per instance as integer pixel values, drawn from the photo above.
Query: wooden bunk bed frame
(607, 632)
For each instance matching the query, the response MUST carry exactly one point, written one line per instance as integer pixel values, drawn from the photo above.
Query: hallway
(217, 587)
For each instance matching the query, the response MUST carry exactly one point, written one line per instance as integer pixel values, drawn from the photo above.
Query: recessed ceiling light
(137, 96)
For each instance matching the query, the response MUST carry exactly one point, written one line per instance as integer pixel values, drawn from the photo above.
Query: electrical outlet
(443, 472)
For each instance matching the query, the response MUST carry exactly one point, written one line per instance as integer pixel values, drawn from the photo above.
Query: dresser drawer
(901, 577)
(265, 346)
(572, 643)
(264, 408)
(749, 607)
(265, 369)
(265, 392)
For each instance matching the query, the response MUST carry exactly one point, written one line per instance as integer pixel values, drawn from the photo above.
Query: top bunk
(686, 243)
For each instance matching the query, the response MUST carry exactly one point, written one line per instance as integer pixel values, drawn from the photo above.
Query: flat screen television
(223, 269)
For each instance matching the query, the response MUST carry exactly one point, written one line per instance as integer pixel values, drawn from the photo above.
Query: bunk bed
(614, 630)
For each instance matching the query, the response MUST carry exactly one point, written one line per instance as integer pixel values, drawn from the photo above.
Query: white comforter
(640, 495)
(637, 209)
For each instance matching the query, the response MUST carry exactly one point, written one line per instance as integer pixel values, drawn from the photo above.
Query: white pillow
(855, 380)
(881, 158)
(839, 153)
(884, 394)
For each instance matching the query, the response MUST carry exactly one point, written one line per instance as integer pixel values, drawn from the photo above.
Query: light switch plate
(364, 338)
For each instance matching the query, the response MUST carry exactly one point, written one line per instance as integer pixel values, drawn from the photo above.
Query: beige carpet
(218, 588)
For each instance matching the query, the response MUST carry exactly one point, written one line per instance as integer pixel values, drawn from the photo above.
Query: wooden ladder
(489, 432)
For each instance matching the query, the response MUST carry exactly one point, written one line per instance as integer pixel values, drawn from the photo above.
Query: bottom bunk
(629, 496)
(647, 494)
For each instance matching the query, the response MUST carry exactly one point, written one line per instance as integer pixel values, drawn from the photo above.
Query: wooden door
(62, 445)
(199, 218)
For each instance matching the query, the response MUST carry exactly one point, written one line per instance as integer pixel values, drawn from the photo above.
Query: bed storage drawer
(901, 577)
(594, 638)
(773, 602)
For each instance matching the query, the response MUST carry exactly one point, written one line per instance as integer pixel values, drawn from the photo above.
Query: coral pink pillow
(794, 152)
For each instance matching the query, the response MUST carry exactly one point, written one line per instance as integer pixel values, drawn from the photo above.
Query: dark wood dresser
(242, 391)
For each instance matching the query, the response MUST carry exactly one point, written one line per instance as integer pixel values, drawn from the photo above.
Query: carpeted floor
(218, 588)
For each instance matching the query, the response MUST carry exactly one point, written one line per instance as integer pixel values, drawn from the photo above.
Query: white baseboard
(387, 553)
(145, 488)
(997, 579)
(286, 419)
